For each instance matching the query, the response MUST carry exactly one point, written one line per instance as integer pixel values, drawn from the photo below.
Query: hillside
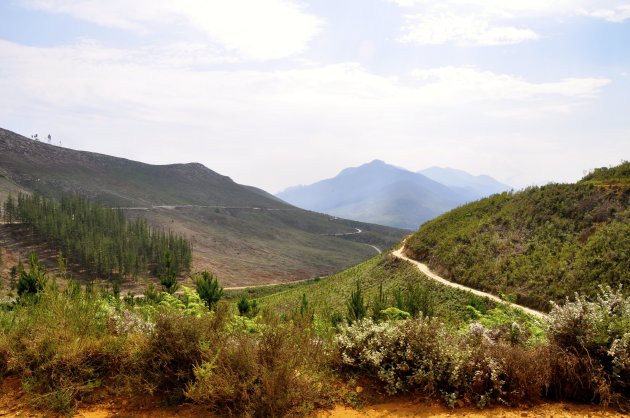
(242, 233)
(327, 297)
(378, 193)
(541, 244)
(473, 187)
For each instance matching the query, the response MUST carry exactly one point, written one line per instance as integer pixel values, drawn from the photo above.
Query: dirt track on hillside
(430, 274)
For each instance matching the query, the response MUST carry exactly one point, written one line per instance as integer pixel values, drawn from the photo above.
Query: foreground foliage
(65, 344)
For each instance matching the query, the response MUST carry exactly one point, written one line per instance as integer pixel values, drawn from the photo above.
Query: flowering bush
(421, 354)
(599, 331)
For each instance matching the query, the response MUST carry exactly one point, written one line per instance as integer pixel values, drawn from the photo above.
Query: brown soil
(13, 403)
(409, 408)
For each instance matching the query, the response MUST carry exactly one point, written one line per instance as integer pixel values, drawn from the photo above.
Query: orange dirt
(408, 408)
(13, 403)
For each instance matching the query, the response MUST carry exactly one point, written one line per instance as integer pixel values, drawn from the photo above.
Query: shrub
(208, 288)
(178, 342)
(280, 372)
(31, 282)
(421, 354)
(357, 309)
(247, 308)
(60, 346)
(591, 338)
(168, 278)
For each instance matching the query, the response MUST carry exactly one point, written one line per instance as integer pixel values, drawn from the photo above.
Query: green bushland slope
(327, 297)
(540, 244)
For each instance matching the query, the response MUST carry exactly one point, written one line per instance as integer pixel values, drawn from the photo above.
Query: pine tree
(31, 282)
(208, 289)
(168, 279)
(357, 309)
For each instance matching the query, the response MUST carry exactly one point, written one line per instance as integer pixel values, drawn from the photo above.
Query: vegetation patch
(541, 244)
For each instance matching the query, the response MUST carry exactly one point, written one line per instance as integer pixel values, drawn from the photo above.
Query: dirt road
(425, 269)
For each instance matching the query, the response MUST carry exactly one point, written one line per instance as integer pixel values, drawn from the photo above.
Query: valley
(243, 234)
(306, 313)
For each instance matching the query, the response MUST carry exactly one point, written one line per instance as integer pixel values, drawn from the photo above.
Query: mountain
(473, 187)
(242, 233)
(377, 192)
(540, 244)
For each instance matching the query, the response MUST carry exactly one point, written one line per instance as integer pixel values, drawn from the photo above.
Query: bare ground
(13, 403)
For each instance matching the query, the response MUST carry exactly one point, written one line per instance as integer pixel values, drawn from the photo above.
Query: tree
(208, 289)
(9, 210)
(168, 279)
(33, 281)
(379, 303)
(357, 309)
(247, 308)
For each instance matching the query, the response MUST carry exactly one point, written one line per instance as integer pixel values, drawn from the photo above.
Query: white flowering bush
(421, 354)
(590, 325)
(401, 354)
(124, 321)
(598, 331)
(620, 353)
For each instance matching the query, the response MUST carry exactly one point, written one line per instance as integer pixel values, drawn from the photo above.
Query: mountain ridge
(242, 233)
(382, 193)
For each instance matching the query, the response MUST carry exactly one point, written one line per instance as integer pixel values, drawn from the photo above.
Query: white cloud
(471, 84)
(617, 14)
(461, 30)
(494, 22)
(266, 127)
(253, 29)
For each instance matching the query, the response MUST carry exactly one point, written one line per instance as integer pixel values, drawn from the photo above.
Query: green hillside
(243, 234)
(540, 244)
(328, 297)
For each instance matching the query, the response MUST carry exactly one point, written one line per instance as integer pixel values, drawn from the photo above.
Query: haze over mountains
(242, 233)
(380, 193)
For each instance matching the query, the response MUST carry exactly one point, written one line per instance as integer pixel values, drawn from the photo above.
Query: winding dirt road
(427, 272)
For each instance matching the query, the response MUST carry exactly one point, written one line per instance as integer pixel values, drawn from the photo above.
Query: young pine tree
(357, 308)
(379, 303)
(31, 282)
(208, 289)
(168, 278)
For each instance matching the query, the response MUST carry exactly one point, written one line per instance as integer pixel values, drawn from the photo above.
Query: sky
(275, 93)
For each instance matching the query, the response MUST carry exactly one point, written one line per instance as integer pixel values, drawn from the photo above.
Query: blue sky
(280, 92)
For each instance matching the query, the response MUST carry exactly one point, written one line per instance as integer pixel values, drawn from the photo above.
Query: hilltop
(540, 244)
(242, 233)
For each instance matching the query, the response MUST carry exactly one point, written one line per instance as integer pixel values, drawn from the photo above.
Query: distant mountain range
(244, 234)
(465, 184)
(380, 193)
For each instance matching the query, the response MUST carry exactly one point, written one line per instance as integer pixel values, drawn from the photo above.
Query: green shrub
(247, 308)
(357, 309)
(208, 288)
(168, 277)
(283, 371)
(32, 281)
(178, 343)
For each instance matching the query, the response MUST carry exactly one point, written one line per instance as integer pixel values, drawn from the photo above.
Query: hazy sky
(280, 92)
